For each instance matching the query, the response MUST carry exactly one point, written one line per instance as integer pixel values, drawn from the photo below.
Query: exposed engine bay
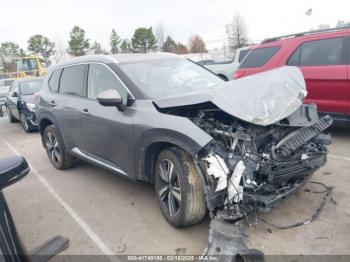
(251, 167)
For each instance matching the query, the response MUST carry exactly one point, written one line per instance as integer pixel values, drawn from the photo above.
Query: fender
(162, 135)
(48, 116)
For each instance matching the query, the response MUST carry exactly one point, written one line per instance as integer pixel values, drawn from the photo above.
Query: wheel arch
(44, 121)
(152, 145)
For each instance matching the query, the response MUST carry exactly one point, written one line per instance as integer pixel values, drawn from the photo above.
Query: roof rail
(267, 40)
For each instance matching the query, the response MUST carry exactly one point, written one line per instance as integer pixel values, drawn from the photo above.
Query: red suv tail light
(238, 74)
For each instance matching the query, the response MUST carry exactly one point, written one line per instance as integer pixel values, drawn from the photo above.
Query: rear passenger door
(67, 104)
(324, 65)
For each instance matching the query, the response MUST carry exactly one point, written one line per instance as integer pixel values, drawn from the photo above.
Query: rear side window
(72, 80)
(54, 80)
(319, 52)
(259, 57)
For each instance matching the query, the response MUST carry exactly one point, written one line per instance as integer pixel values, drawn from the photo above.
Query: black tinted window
(54, 80)
(320, 52)
(259, 57)
(242, 55)
(101, 79)
(72, 80)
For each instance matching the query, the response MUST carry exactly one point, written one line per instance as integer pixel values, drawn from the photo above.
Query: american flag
(308, 12)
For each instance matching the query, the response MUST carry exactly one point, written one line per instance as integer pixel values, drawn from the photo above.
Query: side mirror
(111, 97)
(15, 94)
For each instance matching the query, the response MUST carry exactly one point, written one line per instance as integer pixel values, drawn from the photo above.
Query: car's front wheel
(26, 125)
(55, 149)
(179, 188)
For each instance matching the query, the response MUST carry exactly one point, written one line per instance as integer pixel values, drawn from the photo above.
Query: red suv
(322, 56)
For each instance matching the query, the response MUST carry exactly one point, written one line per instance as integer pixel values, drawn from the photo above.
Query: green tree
(115, 41)
(169, 45)
(9, 51)
(143, 39)
(125, 46)
(78, 44)
(97, 49)
(42, 45)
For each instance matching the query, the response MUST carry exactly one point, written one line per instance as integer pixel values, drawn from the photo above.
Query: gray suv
(206, 144)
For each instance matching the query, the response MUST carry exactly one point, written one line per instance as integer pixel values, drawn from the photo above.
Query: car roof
(116, 58)
(28, 79)
(312, 35)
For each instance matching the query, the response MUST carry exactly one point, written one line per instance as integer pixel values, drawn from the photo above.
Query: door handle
(52, 103)
(86, 112)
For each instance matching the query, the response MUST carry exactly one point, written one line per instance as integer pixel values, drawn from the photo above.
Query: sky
(264, 18)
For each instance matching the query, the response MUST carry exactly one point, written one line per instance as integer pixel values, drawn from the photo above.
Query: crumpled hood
(262, 99)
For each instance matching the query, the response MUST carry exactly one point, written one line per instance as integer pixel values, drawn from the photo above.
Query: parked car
(322, 56)
(19, 102)
(225, 70)
(13, 169)
(5, 85)
(203, 142)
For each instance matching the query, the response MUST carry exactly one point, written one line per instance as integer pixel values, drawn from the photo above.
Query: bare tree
(237, 32)
(160, 35)
(197, 44)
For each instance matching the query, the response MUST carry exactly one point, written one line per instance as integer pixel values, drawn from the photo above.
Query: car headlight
(30, 106)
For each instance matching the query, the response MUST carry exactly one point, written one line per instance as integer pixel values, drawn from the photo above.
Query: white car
(226, 69)
(5, 85)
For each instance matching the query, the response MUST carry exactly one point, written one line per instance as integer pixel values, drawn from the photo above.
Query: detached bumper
(285, 181)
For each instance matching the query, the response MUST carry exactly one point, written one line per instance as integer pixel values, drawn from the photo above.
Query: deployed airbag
(262, 99)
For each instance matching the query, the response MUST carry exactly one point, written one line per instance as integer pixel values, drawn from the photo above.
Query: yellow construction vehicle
(30, 66)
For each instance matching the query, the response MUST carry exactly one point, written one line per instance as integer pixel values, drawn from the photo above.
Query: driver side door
(107, 132)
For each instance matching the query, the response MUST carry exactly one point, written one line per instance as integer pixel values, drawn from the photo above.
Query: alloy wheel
(53, 147)
(169, 189)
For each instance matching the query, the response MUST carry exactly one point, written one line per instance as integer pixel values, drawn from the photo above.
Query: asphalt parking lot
(105, 214)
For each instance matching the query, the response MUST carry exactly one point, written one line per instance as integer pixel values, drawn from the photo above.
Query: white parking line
(83, 225)
(339, 157)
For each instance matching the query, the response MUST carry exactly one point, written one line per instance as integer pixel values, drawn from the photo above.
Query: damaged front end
(266, 145)
(250, 167)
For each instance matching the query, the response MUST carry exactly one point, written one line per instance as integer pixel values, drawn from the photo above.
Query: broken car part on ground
(266, 145)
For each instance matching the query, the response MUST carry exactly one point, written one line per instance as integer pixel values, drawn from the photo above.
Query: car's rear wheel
(55, 150)
(179, 188)
(10, 116)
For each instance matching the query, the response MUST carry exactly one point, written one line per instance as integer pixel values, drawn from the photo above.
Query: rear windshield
(30, 87)
(259, 57)
(242, 55)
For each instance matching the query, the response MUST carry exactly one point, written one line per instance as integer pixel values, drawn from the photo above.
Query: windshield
(30, 87)
(26, 64)
(169, 77)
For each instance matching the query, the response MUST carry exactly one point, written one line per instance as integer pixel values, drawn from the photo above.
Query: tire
(53, 144)
(26, 125)
(10, 117)
(182, 199)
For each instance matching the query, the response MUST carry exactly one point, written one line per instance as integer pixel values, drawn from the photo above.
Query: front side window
(259, 57)
(100, 79)
(168, 77)
(30, 87)
(319, 52)
(72, 80)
